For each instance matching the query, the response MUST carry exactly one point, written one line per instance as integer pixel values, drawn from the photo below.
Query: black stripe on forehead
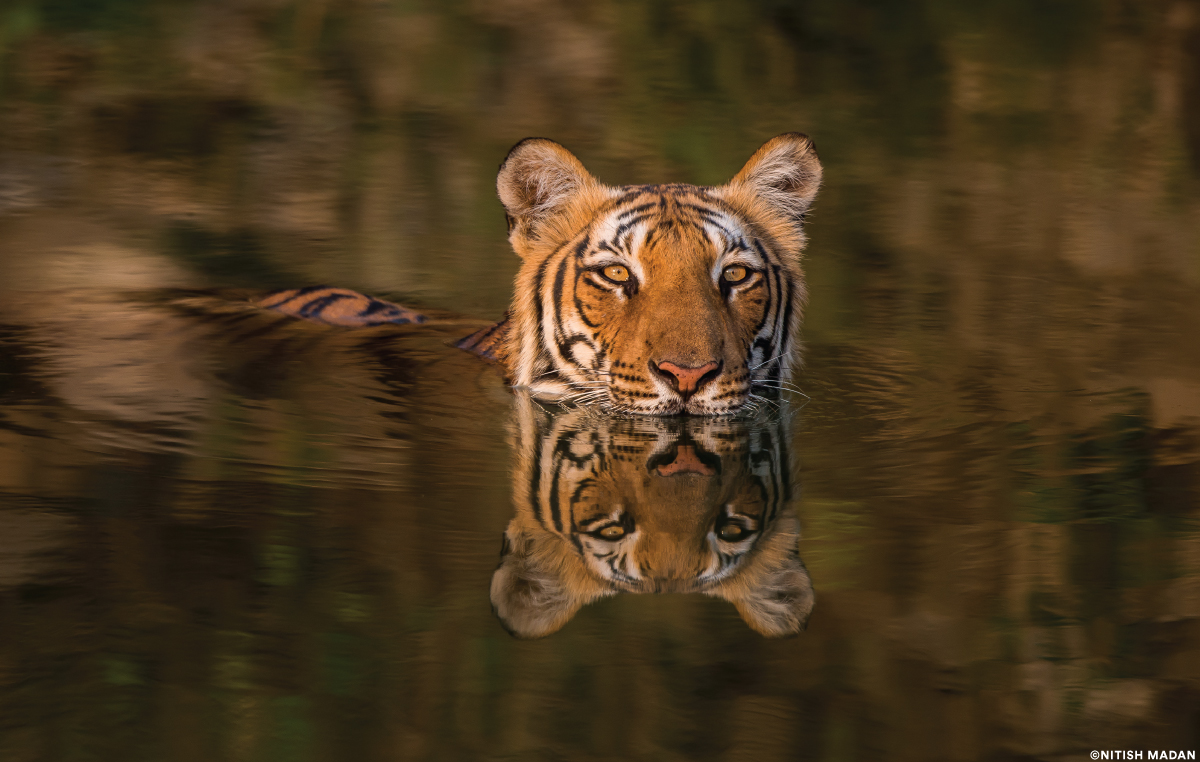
(736, 244)
(675, 206)
(629, 194)
(701, 211)
(624, 227)
(682, 206)
(652, 196)
(704, 223)
(710, 217)
(636, 210)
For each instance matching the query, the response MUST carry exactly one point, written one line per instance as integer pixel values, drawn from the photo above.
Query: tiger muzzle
(684, 380)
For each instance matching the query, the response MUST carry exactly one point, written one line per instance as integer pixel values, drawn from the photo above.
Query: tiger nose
(686, 381)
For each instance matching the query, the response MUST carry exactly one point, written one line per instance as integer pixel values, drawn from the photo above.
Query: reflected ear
(531, 593)
(775, 602)
(785, 173)
(537, 181)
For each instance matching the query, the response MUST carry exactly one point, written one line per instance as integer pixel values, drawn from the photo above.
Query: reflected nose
(687, 381)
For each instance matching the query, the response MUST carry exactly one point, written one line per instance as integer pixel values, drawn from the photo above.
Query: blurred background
(227, 537)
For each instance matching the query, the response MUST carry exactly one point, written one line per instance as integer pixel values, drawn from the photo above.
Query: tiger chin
(644, 505)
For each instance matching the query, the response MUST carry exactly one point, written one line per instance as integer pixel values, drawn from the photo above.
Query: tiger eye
(617, 273)
(735, 274)
(615, 532)
(730, 532)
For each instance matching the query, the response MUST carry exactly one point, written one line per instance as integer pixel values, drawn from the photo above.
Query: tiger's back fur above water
(644, 299)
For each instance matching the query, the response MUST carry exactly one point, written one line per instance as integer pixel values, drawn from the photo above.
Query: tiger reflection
(649, 506)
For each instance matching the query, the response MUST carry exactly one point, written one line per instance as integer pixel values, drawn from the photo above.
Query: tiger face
(656, 299)
(608, 505)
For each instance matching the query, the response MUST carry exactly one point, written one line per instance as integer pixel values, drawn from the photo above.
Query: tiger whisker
(764, 362)
(782, 386)
(776, 385)
(761, 400)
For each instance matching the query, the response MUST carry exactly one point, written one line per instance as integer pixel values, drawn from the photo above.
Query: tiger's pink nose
(686, 381)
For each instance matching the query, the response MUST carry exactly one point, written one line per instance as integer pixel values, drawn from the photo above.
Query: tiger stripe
(338, 306)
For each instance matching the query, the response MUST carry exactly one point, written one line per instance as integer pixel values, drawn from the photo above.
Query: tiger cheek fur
(659, 299)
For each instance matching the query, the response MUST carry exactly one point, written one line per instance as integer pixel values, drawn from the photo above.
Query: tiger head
(656, 299)
(607, 505)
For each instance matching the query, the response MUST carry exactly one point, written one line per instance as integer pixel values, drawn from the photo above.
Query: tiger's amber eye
(614, 532)
(735, 274)
(617, 273)
(730, 532)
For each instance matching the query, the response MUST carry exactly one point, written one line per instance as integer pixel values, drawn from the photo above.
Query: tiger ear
(785, 172)
(775, 602)
(537, 181)
(530, 594)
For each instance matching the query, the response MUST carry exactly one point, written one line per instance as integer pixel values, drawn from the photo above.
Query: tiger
(607, 504)
(640, 299)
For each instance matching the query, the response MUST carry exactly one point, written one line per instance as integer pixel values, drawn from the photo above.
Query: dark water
(225, 535)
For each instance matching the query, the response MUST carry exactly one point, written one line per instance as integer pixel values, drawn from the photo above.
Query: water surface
(227, 535)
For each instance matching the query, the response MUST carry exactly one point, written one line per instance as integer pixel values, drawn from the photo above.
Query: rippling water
(228, 535)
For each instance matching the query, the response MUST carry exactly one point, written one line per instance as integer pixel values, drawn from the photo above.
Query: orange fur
(575, 335)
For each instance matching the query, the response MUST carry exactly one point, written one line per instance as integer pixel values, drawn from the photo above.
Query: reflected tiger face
(650, 506)
(656, 299)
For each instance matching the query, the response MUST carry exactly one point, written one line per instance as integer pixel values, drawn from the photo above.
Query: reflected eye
(731, 533)
(616, 273)
(614, 532)
(735, 274)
